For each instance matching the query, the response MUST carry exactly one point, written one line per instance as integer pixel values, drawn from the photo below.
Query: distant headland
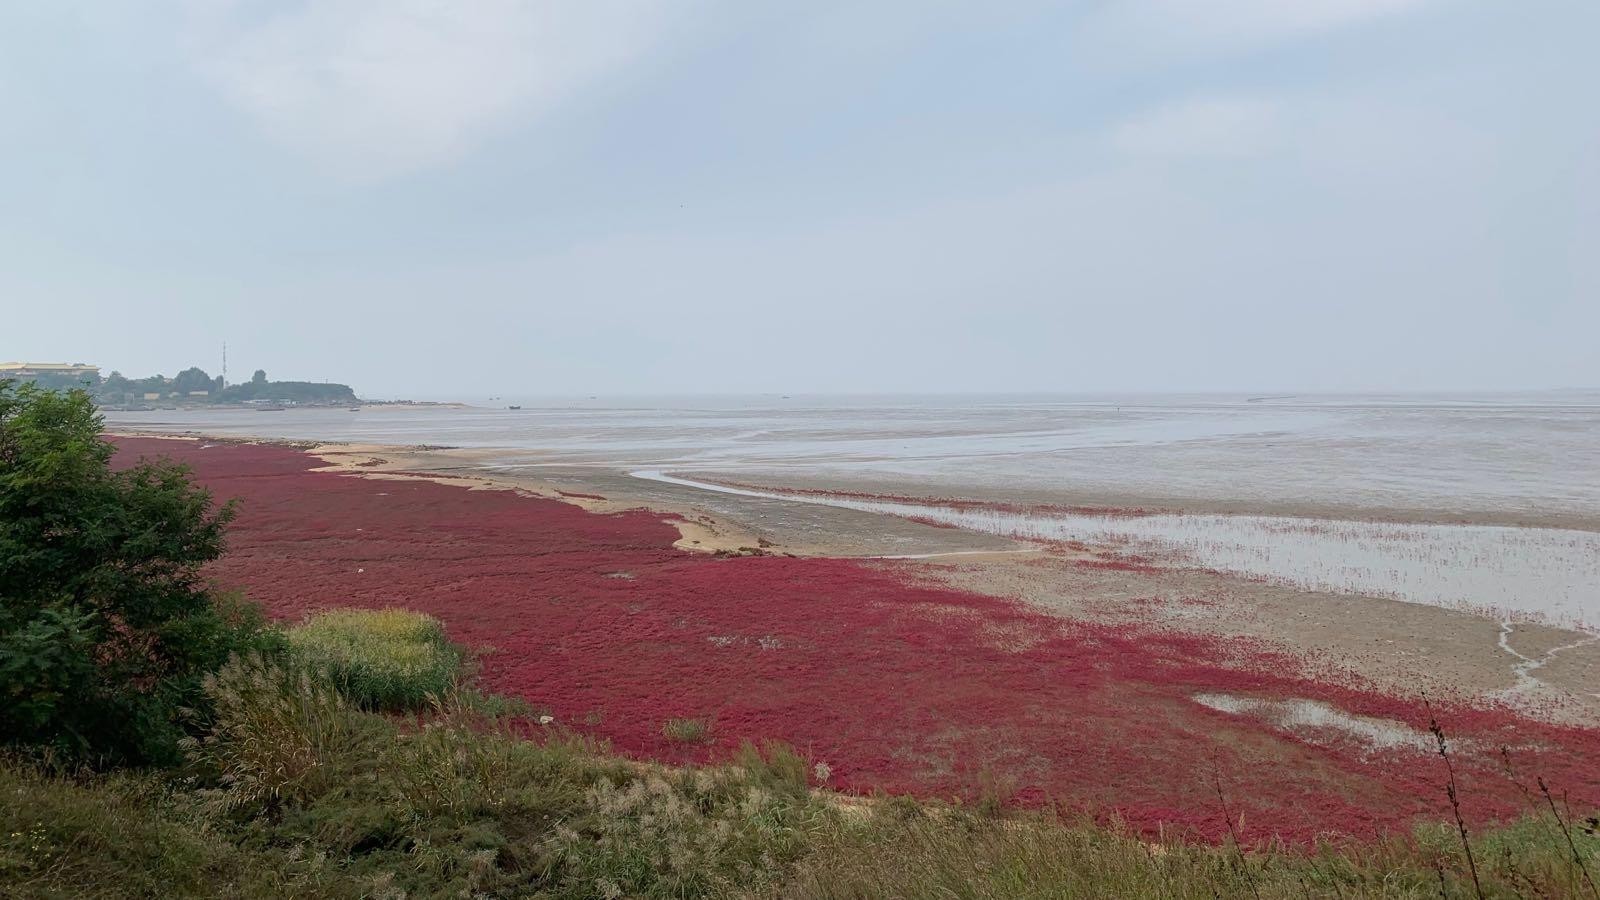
(191, 387)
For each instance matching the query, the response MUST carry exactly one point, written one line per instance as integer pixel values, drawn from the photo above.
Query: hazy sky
(525, 196)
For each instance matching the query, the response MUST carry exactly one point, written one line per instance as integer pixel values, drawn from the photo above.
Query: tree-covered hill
(194, 385)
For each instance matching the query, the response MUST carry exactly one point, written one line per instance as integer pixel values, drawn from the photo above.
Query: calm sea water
(1477, 458)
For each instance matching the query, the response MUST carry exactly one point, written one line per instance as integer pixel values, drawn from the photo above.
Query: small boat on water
(513, 407)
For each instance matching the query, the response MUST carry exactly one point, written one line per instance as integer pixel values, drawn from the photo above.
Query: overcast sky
(526, 196)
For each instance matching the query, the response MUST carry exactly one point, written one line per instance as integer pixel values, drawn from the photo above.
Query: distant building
(59, 370)
(152, 395)
(199, 393)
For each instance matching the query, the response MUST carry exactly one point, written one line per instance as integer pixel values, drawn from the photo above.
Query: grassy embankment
(359, 765)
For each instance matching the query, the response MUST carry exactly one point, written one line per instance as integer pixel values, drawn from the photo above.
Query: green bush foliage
(384, 659)
(106, 626)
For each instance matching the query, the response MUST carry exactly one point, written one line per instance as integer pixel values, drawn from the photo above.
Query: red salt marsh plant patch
(893, 684)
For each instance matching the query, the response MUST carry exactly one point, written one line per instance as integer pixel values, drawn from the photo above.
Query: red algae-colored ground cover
(895, 685)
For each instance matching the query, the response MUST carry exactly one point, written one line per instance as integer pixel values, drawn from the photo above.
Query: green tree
(106, 625)
(192, 379)
(116, 387)
(260, 377)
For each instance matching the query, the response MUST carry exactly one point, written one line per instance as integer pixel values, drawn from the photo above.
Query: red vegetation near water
(895, 685)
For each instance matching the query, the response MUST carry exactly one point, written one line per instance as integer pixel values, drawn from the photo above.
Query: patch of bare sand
(466, 468)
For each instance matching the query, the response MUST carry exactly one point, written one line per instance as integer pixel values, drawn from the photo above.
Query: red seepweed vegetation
(897, 686)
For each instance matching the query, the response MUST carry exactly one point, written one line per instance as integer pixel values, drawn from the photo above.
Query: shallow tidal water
(1548, 575)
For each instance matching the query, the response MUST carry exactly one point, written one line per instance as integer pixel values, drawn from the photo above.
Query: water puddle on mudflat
(1311, 719)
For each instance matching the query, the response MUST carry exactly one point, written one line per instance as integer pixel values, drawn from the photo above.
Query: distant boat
(513, 407)
(355, 409)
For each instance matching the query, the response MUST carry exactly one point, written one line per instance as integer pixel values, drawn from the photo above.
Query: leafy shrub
(387, 659)
(106, 625)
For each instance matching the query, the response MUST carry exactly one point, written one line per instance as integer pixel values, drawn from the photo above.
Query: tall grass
(456, 802)
(295, 790)
(386, 659)
(280, 735)
(686, 731)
